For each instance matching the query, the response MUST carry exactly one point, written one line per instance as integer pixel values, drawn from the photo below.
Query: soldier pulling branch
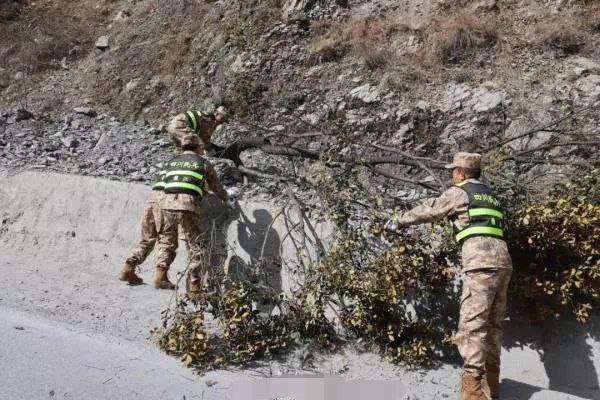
(477, 219)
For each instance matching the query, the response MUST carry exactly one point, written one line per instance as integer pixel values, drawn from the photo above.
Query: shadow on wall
(565, 352)
(261, 242)
(256, 260)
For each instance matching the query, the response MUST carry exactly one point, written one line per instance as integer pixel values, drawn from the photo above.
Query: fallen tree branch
(390, 175)
(543, 128)
(233, 151)
(590, 143)
(259, 174)
(420, 160)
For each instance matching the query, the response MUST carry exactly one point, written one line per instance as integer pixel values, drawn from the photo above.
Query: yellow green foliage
(403, 299)
(555, 246)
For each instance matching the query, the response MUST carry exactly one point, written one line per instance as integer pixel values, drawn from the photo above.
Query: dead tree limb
(420, 160)
(233, 151)
(544, 128)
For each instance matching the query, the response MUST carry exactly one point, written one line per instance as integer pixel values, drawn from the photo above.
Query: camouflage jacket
(478, 252)
(180, 127)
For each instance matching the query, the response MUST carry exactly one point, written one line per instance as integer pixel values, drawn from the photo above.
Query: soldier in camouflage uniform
(477, 218)
(150, 226)
(196, 122)
(188, 176)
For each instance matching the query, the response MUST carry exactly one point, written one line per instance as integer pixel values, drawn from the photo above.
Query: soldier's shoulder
(454, 191)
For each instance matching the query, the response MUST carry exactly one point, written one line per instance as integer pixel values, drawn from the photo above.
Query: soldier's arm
(213, 182)
(451, 202)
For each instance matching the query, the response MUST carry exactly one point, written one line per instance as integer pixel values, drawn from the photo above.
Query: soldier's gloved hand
(391, 226)
(232, 194)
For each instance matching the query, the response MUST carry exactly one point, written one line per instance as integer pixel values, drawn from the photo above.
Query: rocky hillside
(427, 77)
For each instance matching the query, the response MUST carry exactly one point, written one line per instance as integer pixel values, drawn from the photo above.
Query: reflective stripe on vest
(484, 210)
(192, 117)
(188, 173)
(185, 175)
(160, 181)
(184, 185)
(479, 230)
(476, 212)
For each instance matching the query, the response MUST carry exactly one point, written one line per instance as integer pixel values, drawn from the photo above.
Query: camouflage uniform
(487, 268)
(180, 127)
(150, 227)
(184, 210)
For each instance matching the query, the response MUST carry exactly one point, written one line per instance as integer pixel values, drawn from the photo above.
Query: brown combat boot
(493, 381)
(128, 275)
(161, 280)
(471, 388)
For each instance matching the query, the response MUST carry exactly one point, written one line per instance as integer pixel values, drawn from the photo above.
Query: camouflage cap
(465, 160)
(190, 140)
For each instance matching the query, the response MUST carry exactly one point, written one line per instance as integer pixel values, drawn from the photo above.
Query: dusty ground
(71, 330)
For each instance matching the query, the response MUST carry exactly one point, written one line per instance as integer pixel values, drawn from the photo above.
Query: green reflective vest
(194, 117)
(160, 180)
(185, 174)
(485, 212)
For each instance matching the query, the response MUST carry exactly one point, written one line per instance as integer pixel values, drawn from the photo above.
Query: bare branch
(544, 128)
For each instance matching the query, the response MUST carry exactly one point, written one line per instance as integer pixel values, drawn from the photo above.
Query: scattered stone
(459, 134)
(366, 93)
(153, 131)
(22, 115)
(583, 65)
(312, 119)
(589, 85)
(50, 147)
(102, 42)
(291, 7)
(520, 126)
(484, 100)
(85, 111)
(156, 82)
(70, 142)
(136, 176)
(455, 96)
(485, 5)
(122, 15)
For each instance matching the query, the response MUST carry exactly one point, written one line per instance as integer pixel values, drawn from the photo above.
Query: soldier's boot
(128, 275)
(471, 388)
(493, 380)
(161, 279)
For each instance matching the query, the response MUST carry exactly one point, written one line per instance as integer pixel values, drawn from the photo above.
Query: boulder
(21, 115)
(485, 100)
(85, 111)
(583, 65)
(366, 93)
(293, 6)
(102, 42)
(589, 85)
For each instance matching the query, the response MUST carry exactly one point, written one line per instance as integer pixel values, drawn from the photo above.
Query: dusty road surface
(70, 330)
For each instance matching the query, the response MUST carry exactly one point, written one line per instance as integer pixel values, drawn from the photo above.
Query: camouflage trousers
(191, 225)
(482, 310)
(151, 218)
